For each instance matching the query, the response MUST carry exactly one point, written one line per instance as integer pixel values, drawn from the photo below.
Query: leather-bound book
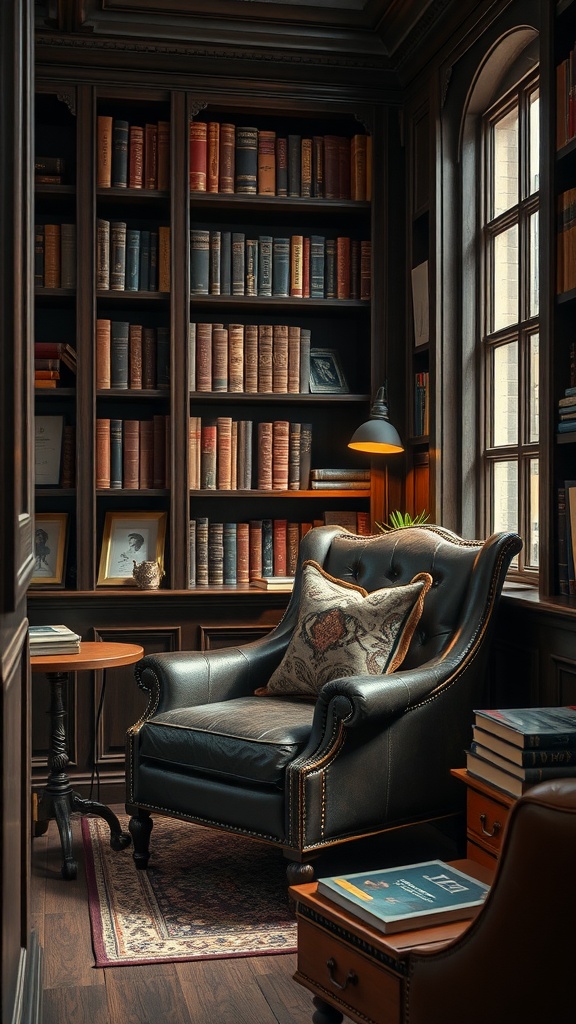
(236, 356)
(220, 343)
(317, 262)
(164, 258)
(102, 254)
(192, 357)
(203, 357)
(225, 263)
(213, 157)
(135, 357)
(294, 165)
(342, 267)
(246, 168)
(227, 157)
(132, 279)
(163, 358)
(265, 336)
(251, 358)
(115, 454)
(146, 462)
(267, 548)
(68, 260)
(223, 453)
(294, 457)
(292, 546)
(120, 138)
(135, 156)
(266, 162)
(52, 265)
(354, 268)
(192, 553)
(194, 446)
(202, 551)
(358, 167)
(163, 155)
(131, 455)
(102, 452)
(38, 255)
(296, 255)
(280, 359)
(215, 554)
(330, 269)
(318, 166)
(244, 461)
(104, 132)
(265, 266)
(306, 267)
(151, 156)
(144, 268)
(153, 261)
(331, 176)
(208, 446)
(279, 547)
(148, 357)
(255, 549)
(343, 168)
(281, 166)
(281, 267)
(238, 263)
(369, 168)
(198, 141)
(68, 466)
(119, 332)
(280, 452)
(103, 335)
(265, 456)
(117, 255)
(242, 553)
(305, 455)
(229, 541)
(251, 267)
(306, 168)
(365, 270)
(199, 261)
(214, 267)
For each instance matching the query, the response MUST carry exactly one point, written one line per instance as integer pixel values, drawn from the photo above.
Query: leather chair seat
(251, 739)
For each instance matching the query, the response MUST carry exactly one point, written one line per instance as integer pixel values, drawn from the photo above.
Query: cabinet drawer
(486, 819)
(372, 993)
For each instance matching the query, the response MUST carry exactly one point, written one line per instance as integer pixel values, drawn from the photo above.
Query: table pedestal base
(58, 799)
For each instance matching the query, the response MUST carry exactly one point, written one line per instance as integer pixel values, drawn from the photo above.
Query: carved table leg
(324, 1013)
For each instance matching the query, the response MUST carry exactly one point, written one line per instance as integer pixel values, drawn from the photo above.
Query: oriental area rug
(205, 894)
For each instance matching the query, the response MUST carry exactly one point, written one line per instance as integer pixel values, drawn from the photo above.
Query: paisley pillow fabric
(343, 630)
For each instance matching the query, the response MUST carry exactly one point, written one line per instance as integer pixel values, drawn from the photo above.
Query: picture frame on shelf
(50, 547)
(326, 373)
(130, 537)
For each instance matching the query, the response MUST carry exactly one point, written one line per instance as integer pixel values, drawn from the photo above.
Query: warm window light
(377, 435)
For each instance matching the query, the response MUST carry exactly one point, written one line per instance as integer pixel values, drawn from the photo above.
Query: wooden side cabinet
(487, 810)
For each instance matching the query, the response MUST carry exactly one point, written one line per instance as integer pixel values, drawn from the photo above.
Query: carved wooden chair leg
(140, 827)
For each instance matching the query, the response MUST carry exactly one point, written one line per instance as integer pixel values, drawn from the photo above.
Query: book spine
(115, 454)
(236, 358)
(242, 553)
(354, 268)
(330, 268)
(296, 257)
(343, 168)
(198, 145)
(281, 166)
(220, 343)
(265, 344)
(120, 130)
(280, 546)
(213, 157)
(255, 549)
(294, 164)
(151, 156)
(199, 261)
(230, 554)
(117, 255)
(132, 259)
(68, 467)
(267, 547)
(292, 546)
(204, 357)
(102, 453)
(215, 253)
(135, 156)
(38, 255)
(365, 271)
(103, 151)
(223, 453)
(331, 187)
(202, 551)
(318, 166)
(281, 267)
(238, 263)
(266, 163)
(192, 357)
(148, 358)
(295, 433)
(280, 454)
(208, 447)
(103, 345)
(163, 358)
(102, 254)
(342, 267)
(194, 446)
(163, 155)
(144, 266)
(52, 265)
(153, 261)
(164, 258)
(306, 267)
(305, 455)
(265, 266)
(215, 554)
(306, 168)
(280, 359)
(358, 168)
(246, 172)
(251, 267)
(68, 256)
(293, 380)
(250, 359)
(225, 263)
(227, 157)
(119, 354)
(192, 553)
(317, 260)
(265, 456)
(160, 442)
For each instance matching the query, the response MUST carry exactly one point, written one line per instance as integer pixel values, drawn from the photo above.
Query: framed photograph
(50, 543)
(47, 450)
(326, 374)
(130, 537)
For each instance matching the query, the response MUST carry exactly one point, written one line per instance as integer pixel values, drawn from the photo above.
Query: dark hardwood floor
(246, 990)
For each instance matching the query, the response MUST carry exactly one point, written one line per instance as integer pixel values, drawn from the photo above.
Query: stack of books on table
(53, 640)
(513, 749)
(410, 896)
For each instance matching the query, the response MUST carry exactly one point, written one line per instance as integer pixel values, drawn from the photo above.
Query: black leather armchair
(373, 753)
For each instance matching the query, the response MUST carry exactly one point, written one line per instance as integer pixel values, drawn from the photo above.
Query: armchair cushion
(342, 630)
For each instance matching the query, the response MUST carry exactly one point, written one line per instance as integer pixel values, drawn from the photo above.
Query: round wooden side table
(58, 799)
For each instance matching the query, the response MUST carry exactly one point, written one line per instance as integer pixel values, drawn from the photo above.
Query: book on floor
(531, 727)
(407, 897)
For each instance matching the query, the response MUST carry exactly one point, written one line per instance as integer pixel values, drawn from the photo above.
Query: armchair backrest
(467, 575)
(514, 964)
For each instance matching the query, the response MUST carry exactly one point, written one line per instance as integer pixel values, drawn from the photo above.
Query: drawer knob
(487, 832)
(352, 978)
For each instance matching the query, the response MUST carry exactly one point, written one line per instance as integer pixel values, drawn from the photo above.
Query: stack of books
(513, 749)
(53, 640)
(406, 897)
(567, 411)
(328, 479)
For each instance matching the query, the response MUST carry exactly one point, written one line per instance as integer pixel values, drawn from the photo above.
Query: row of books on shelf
(54, 452)
(566, 529)
(55, 255)
(421, 404)
(227, 454)
(567, 411)
(132, 155)
(513, 749)
(59, 639)
(250, 161)
(240, 553)
(226, 262)
(131, 356)
(566, 241)
(566, 99)
(132, 454)
(249, 358)
(132, 259)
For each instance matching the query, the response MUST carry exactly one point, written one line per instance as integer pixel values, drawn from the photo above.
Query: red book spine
(131, 454)
(280, 453)
(213, 157)
(151, 156)
(227, 157)
(280, 359)
(208, 449)
(280, 550)
(265, 456)
(255, 548)
(136, 156)
(198, 156)
(243, 553)
(343, 268)
(204, 357)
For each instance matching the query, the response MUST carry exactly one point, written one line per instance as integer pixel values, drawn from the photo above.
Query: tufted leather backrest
(467, 575)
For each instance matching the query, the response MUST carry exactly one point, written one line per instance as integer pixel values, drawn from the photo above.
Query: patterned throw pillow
(343, 630)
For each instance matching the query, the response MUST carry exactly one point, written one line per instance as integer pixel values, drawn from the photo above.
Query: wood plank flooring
(245, 990)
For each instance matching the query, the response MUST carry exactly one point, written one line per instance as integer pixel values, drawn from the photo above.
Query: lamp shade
(377, 435)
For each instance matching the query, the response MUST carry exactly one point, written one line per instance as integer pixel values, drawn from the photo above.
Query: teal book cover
(410, 896)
